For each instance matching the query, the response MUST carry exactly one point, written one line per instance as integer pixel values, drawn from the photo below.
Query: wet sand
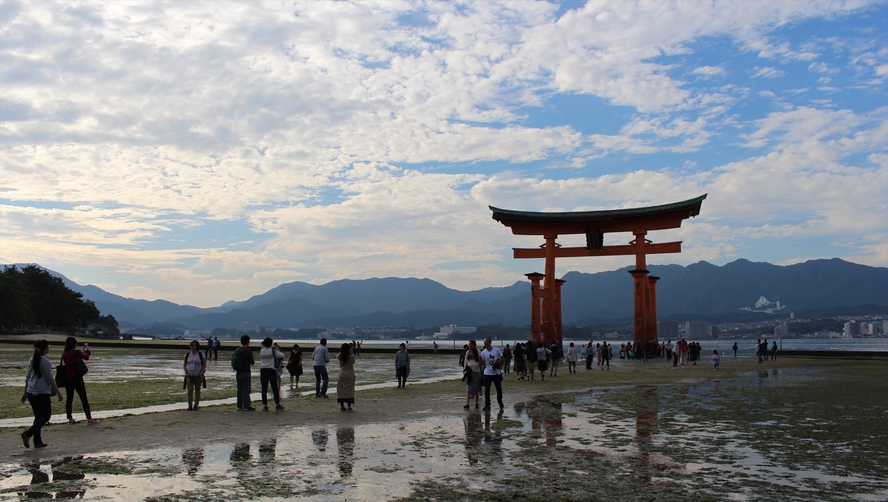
(637, 431)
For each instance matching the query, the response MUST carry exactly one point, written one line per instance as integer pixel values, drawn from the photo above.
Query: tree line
(32, 298)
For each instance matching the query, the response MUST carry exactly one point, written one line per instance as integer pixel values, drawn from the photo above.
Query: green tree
(33, 296)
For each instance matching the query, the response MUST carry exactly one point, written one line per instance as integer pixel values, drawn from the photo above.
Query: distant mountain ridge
(697, 289)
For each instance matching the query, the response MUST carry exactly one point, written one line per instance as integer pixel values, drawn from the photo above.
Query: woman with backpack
(294, 365)
(270, 359)
(39, 388)
(74, 379)
(195, 367)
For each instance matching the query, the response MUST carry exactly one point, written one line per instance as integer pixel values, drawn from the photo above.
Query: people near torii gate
(572, 359)
(543, 356)
(530, 358)
(683, 353)
(557, 356)
(492, 360)
(507, 357)
(520, 368)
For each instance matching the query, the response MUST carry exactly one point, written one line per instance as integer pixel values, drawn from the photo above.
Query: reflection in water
(319, 438)
(546, 419)
(646, 416)
(474, 435)
(266, 450)
(39, 477)
(240, 453)
(493, 440)
(193, 459)
(345, 439)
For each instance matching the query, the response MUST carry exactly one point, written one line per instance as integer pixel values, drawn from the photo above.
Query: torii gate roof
(611, 220)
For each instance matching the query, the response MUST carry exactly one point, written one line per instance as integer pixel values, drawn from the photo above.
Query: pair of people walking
(41, 385)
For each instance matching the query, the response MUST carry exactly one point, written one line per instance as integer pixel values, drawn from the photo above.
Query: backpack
(277, 362)
(237, 364)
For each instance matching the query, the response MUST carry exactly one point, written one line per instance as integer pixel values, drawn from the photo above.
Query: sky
(201, 152)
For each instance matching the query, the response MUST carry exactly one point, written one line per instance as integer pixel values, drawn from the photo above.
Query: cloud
(195, 151)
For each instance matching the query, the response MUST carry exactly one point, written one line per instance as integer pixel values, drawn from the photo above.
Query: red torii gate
(545, 309)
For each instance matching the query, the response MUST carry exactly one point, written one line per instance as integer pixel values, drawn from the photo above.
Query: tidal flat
(793, 429)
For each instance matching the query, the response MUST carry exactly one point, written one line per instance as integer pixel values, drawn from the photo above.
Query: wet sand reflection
(345, 440)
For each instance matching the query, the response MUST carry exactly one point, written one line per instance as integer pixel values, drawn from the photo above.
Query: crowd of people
(482, 369)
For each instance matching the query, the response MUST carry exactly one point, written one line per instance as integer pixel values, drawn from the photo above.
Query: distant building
(667, 330)
(781, 330)
(851, 328)
(713, 331)
(696, 330)
(246, 327)
(449, 331)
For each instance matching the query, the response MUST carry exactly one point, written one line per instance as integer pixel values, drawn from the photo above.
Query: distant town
(869, 326)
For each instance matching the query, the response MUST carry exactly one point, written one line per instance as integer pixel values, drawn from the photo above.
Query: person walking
(39, 388)
(402, 365)
(294, 365)
(243, 357)
(74, 380)
(715, 359)
(590, 355)
(491, 359)
(216, 345)
(345, 382)
(774, 351)
(472, 377)
(572, 359)
(269, 360)
(320, 357)
(195, 367)
(605, 355)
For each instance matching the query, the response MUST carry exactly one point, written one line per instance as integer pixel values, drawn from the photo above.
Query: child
(715, 359)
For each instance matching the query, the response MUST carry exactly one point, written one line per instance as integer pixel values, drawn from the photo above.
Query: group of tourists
(271, 367)
(213, 345)
(41, 384)
(761, 350)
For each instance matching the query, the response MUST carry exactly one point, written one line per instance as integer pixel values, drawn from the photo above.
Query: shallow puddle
(760, 437)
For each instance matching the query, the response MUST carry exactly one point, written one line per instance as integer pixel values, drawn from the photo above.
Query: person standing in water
(39, 388)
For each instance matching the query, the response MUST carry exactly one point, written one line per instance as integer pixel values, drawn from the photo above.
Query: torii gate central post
(546, 301)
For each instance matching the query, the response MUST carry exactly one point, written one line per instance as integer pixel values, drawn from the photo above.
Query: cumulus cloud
(185, 151)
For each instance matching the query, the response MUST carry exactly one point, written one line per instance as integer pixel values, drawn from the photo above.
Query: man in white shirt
(320, 357)
(489, 357)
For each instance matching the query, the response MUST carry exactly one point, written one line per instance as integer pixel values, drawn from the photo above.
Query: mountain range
(700, 289)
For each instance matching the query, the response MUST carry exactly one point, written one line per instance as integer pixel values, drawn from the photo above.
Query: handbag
(61, 378)
(80, 367)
